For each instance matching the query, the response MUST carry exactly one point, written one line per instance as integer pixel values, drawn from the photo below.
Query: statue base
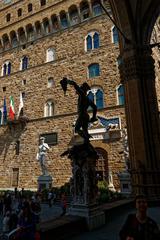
(94, 216)
(125, 183)
(44, 182)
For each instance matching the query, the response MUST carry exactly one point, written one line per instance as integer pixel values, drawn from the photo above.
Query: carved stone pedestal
(84, 183)
(44, 182)
(94, 216)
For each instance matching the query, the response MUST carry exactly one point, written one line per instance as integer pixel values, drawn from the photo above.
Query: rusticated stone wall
(71, 61)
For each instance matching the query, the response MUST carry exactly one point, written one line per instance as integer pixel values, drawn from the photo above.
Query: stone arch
(30, 32)
(6, 42)
(22, 35)
(135, 24)
(46, 25)
(55, 23)
(63, 19)
(13, 37)
(38, 28)
(73, 15)
(96, 7)
(84, 10)
(150, 23)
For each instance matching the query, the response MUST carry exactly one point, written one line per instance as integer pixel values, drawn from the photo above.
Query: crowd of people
(20, 212)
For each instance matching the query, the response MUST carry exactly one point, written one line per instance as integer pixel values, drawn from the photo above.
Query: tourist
(63, 204)
(5, 223)
(140, 226)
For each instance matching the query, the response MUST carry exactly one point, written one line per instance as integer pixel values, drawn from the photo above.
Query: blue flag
(4, 112)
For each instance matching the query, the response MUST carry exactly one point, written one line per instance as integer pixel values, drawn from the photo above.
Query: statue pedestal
(94, 216)
(84, 183)
(44, 182)
(125, 182)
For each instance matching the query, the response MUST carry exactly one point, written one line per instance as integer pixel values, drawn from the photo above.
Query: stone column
(138, 77)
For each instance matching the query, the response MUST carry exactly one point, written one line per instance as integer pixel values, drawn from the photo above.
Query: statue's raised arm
(81, 126)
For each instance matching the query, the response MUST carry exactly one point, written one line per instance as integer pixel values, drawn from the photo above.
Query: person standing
(63, 204)
(140, 226)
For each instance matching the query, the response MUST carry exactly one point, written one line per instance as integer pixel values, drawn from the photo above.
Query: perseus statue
(81, 125)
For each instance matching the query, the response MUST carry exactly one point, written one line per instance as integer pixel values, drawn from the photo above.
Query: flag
(4, 111)
(20, 111)
(11, 109)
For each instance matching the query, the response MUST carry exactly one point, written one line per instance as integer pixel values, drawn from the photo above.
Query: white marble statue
(41, 155)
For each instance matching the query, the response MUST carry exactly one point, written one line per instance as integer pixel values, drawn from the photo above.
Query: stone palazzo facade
(42, 41)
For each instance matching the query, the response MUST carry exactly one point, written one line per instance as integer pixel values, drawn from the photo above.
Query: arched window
(51, 82)
(24, 63)
(97, 96)
(120, 93)
(6, 68)
(50, 55)
(49, 108)
(96, 40)
(9, 68)
(115, 38)
(97, 10)
(99, 99)
(93, 70)
(63, 20)
(89, 42)
(92, 41)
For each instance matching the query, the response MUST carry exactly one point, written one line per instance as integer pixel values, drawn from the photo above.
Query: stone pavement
(111, 229)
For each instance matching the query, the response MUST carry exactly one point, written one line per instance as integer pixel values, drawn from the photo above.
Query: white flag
(20, 110)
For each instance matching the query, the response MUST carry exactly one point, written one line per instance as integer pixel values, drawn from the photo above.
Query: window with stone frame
(8, 17)
(6, 68)
(50, 83)
(92, 41)
(42, 2)
(15, 177)
(97, 96)
(120, 95)
(50, 138)
(17, 147)
(24, 63)
(19, 12)
(115, 38)
(49, 108)
(50, 54)
(30, 7)
(97, 9)
(93, 70)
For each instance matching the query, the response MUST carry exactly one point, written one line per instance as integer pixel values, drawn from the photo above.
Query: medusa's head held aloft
(85, 87)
